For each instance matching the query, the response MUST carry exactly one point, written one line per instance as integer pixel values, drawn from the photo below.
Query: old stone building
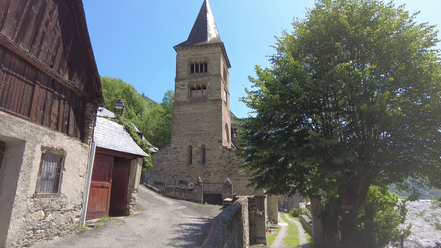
(202, 133)
(116, 170)
(49, 93)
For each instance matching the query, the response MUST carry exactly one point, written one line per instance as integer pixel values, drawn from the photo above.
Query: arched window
(197, 90)
(227, 133)
(198, 67)
(203, 154)
(190, 155)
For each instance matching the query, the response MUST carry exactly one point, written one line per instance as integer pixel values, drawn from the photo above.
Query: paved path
(163, 223)
(278, 243)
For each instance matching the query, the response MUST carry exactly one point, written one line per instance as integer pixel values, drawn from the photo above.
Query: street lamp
(119, 108)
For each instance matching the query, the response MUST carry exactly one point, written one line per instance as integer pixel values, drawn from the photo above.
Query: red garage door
(100, 187)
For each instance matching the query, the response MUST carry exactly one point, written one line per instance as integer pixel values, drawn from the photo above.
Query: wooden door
(120, 184)
(100, 187)
(2, 151)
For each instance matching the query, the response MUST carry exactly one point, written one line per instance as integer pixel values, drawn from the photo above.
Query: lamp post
(119, 108)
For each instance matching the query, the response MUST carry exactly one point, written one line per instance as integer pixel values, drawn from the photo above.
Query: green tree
(136, 106)
(379, 218)
(352, 99)
(158, 123)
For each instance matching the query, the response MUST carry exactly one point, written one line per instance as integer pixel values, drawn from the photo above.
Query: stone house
(49, 93)
(116, 171)
(289, 202)
(203, 130)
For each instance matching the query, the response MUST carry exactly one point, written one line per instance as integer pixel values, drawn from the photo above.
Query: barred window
(51, 171)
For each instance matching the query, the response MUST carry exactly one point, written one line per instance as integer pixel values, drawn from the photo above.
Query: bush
(295, 212)
(306, 212)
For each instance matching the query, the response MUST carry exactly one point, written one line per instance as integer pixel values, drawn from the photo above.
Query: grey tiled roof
(112, 136)
(105, 112)
(204, 29)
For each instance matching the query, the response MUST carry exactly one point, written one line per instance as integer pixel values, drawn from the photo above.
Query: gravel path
(302, 236)
(278, 242)
(163, 222)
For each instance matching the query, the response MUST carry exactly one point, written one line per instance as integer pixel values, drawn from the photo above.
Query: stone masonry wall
(230, 228)
(34, 219)
(222, 163)
(183, 192)
(134, 180)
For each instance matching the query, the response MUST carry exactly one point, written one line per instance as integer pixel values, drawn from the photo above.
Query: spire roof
(204, 30)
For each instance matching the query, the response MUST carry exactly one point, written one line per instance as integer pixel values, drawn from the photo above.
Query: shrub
(295, 212)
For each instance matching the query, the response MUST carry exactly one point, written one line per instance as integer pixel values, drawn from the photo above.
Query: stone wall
(289, 202)
(306, 223)
(134, 180)
(271, 205)
(27, 218)
(230, 228)
(222, 163)
(183, 192)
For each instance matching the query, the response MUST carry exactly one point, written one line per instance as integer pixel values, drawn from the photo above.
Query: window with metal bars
(51, 171)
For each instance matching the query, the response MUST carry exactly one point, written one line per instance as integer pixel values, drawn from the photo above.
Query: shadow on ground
(190, 235)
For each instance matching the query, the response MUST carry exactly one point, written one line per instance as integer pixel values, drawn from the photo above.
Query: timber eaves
(9, 44)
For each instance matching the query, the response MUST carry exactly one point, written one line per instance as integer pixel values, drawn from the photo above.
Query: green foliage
(424, 192)
(379, 218)
(295, 212)
(153, 120)
(351, 99)
(142, 143)
(158, 123)
(136, 106)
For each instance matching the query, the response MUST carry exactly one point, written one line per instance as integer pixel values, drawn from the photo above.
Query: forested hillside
(152, 119)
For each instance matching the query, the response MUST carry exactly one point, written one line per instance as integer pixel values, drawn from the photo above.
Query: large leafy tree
(352, 99)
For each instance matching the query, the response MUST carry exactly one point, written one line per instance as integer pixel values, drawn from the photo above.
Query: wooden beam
(9, 44)
(118, 154)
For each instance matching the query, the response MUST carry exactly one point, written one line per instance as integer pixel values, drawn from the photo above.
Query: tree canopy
(352, 99)
(152, 119)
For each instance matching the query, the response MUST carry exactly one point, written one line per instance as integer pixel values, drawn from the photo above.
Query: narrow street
(163, 222)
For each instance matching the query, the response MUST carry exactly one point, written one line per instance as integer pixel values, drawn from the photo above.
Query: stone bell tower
(201, 149)
(201, 110)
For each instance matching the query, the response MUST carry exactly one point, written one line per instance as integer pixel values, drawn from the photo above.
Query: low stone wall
(184, 193)
(306, 223)
(230, 228)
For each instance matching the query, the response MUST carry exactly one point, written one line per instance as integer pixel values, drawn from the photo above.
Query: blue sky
(133, 40)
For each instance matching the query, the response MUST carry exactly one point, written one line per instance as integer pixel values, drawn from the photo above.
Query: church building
(203, 133)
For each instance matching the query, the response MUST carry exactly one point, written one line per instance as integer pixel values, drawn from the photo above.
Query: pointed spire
(204, 29)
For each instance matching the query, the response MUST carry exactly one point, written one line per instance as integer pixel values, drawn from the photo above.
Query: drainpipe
(89, 180)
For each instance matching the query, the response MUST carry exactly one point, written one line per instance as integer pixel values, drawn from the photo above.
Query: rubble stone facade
(26, 216)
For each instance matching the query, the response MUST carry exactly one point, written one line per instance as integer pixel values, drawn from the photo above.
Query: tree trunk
(348, 228)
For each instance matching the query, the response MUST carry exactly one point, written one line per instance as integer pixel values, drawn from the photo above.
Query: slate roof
(102, 112)
(112, 136)
(204, 29)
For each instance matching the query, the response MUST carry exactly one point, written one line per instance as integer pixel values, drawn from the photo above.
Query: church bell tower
(201, 110)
